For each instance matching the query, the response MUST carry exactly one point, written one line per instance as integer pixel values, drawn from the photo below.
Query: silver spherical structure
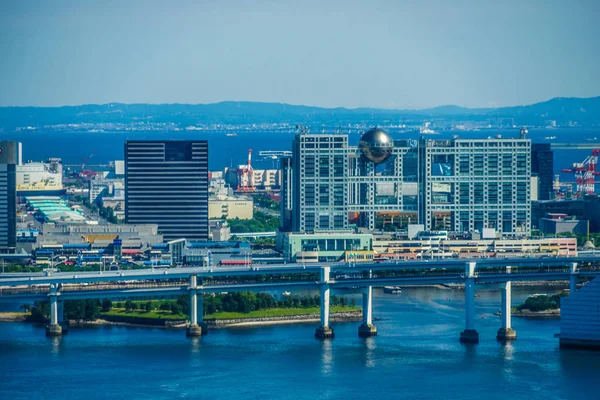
(376, 145)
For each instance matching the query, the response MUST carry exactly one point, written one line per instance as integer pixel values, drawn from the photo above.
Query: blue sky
(377, 53)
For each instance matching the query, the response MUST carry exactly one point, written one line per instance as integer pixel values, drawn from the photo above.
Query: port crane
(585, 173)
(245, 175)
(86, 172)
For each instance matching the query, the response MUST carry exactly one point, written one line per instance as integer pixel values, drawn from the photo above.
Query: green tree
(106, 305)
(40, 312)
(540, 303)
(175, 308)
(148, 306)
(184, 304)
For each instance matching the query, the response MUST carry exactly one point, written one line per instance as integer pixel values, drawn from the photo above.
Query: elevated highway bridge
(361, 277)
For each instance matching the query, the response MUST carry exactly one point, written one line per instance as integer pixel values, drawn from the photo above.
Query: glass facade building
(166, 183)
(9, 159)
(470, 184)
(542, 165)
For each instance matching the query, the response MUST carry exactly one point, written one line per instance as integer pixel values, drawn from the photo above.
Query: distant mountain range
(564, 111)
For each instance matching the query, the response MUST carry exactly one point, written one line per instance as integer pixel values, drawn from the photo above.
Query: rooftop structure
(100, 236)
(230, 207)
(217, 253)
(55, 209)
(323, 247)
(40, 176)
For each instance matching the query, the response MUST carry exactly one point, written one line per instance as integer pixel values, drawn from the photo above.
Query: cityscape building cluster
(381, 199)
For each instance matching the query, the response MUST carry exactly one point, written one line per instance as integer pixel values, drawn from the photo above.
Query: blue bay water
(417, 355)
(226, 151)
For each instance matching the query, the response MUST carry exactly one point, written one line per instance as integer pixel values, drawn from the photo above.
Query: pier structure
(54, 329)
(324, 331)
(506, 332)
(573, 279)
(367, 329)
(193, 329)
(469, 335)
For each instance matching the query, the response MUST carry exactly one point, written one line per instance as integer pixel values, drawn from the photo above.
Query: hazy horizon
(384, 54)
(294, 105)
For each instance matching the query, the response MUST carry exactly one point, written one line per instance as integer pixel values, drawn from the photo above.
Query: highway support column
(324, 331)
(469, 335)
(573, 278)
(193, 330)
(54, 329)
(506, 333)
(200, 314)
(367, 329)
(61, 317)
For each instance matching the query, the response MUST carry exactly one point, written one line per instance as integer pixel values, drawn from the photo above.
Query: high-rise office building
(328, 185)
(467, 185)
(542, 165)
(10, 157)
(457, 185)
(166, 183)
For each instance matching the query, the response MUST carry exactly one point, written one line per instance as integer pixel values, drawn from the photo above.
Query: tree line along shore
(218, 307)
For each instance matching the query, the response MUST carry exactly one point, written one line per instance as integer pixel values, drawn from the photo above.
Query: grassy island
(541, 302)
(169, 316)
(225, 306)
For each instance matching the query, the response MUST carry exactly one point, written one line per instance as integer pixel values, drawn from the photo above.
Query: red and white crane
(585, 173)
(86, 173)
(246, 175)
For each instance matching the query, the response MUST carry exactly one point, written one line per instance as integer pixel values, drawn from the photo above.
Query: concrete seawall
(301, 318)
(142, 321)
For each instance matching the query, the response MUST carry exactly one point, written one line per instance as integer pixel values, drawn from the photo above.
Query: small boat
(287, 293)
(392, 289)
(231, 134)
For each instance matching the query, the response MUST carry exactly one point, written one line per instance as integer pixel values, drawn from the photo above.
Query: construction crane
(86, 159)
(245, 175)
(86, 173)
(585, 173)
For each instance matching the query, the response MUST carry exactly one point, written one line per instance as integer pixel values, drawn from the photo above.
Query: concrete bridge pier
(506, 333)
(200, 314)
(324, 331)
(193, 330)
(367, 329)
(470, 335)
(573, 278)
(61, 317)
(54, 329)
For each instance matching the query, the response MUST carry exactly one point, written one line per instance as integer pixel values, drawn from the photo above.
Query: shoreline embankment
(342, 316)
